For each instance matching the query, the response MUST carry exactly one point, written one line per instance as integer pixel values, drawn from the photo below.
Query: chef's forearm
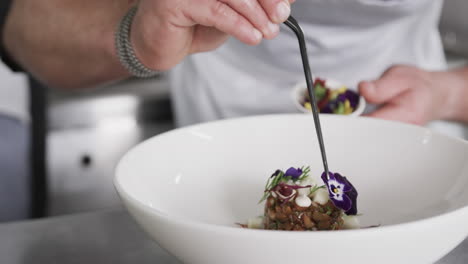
(66, 43)
(455, 83)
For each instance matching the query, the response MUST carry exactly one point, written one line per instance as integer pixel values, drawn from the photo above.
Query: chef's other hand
(408, 94)
(165, 31)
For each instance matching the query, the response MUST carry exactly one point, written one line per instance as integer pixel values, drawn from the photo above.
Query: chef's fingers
(207, 38)
(392, 83)
(213, 13)
(278, 10)
(256, 15)
(382, 90)
(396, 112)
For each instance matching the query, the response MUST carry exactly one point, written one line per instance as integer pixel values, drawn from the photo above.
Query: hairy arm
(70, 43)
(66, 43)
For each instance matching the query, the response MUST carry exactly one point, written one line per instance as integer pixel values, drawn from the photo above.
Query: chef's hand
(409, 94)
(165, 31)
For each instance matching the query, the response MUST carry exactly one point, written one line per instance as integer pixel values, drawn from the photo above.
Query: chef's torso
(347, 40)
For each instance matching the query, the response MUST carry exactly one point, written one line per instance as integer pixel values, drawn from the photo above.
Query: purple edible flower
(342, 192)
(341, 97)
(327, 109)
(293, 173)
(353, 98)
(276, 173)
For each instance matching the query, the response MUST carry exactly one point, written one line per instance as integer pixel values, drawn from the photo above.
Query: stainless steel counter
(104, 237)
(100, 237)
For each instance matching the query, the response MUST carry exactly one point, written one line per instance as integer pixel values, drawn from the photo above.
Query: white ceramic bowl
(299, 89)
(187, 188)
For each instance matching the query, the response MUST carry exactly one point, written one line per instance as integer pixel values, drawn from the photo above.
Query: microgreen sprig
(305, 173)
(316, 188)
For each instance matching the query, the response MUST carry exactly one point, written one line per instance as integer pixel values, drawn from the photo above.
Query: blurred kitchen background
(87, 132)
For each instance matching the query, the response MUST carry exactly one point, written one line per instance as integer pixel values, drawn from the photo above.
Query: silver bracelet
(125, 51)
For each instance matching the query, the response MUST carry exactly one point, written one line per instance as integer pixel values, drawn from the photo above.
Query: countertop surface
(100, 237)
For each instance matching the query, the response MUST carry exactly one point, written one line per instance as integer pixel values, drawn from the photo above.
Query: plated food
(187, 188)
(332, 98)
(294, 201)
(342, 101)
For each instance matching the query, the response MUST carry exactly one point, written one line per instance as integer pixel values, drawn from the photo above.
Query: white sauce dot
(303, 201)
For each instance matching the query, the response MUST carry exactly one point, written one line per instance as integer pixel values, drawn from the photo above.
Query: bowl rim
(300, 87)
(225, 228)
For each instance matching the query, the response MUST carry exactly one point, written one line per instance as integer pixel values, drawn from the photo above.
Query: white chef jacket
(347, 40)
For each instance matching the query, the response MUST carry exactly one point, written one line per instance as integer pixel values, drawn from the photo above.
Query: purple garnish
(327, 109)
(349, 95)
(276, 173)
(353, 98)
(293, 173)
(342, 192)
(341, 98)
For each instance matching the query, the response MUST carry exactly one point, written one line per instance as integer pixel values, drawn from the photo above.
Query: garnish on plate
(341, 101)
(295, 201)
(342, 193)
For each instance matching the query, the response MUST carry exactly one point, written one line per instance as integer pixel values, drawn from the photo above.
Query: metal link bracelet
(125, 51)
